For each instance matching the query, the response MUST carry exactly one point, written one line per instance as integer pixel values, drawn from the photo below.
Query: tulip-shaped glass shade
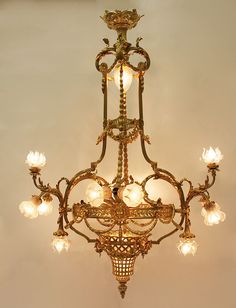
(187, 246)
(45, 208)
(60, 243)
(35, 160)
(127, 77)
(212, 156)
(212, 214)
(28, 209)
(94, 194)
(132, 194)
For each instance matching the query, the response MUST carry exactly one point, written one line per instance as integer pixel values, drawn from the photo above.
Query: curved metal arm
(142, 66)
(47, 188)
(104, 141)
(168, 177)
(103, 67)
(203, 188)
(141, 124)
(56, 192)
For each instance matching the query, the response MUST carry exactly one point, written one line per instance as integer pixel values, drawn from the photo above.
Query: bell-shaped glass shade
(187, 246)
(60, 243)
(127, 77)
(45, 208)
(132, 194)
(212, 214)
(212, 156)
(35, 160)
(28, 209)
(94, 194)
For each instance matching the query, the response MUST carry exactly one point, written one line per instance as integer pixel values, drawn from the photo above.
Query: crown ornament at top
(117, 19)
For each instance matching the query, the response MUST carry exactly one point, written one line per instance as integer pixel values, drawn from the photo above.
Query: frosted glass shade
(187, 246)
(212, 156)
(60, 243)
(132, 194)
(127, 77)
(28, 209)
(45, 208)
(94, 194)
(35, 160)
(213, 214)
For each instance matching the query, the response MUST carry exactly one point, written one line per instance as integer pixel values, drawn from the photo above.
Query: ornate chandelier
(121, 213)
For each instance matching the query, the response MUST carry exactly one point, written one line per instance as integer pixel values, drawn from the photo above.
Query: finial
(122, 288)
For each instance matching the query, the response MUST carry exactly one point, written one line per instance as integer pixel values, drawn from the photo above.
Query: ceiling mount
(117, 20)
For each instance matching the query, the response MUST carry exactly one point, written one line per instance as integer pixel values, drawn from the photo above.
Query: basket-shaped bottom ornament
(123, 268)
(123, 250)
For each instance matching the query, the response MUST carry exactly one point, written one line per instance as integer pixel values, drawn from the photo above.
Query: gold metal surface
(121, 19)
(123, 232)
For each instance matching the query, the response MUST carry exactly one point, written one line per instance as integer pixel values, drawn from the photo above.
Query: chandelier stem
(122, 169)
(125, 146)
(120, 163)
(126, 170)
(121, 35)
(104, 91)
(123, 112)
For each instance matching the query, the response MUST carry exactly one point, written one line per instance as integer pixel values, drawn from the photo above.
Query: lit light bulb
(36, 160)
(45, 208)
(94, 194)
(127, 77)
(212, 156)
(212, 214)
(60, 243)
(132, 194)
(28, 209)
(187, 246)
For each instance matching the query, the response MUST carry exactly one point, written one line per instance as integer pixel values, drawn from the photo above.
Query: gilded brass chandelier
(121, 214)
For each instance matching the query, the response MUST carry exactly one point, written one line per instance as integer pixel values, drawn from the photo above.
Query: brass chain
(123, 151)
(120, 163)
(120, 153)
(126, 167)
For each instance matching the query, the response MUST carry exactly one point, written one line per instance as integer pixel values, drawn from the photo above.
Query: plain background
(50, 100)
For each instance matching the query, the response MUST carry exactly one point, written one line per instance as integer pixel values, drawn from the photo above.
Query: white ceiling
(51, 101)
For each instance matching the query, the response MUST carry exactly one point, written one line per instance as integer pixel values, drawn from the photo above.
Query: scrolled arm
(47, 188)
(142, 66)
(101, 67)
(202, 189)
